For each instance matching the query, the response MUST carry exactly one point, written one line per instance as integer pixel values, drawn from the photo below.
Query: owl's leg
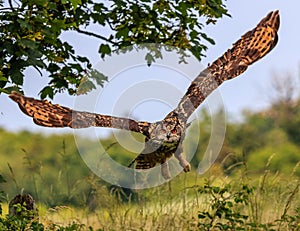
(182, 161)
(165, 172)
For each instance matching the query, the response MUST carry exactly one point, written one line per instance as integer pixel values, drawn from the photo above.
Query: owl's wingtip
(275, 19)
(272, 19)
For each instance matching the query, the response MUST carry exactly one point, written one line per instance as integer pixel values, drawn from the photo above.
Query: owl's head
(167, 131)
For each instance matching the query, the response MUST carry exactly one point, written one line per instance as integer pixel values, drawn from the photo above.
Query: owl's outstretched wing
(47, 114)
(252, 46)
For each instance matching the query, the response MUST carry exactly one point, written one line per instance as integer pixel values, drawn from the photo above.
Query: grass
(241, 201)
(269, 204)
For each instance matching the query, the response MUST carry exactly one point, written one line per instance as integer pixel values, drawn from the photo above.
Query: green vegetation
(269, 202)
(30, 36)
(254, 184)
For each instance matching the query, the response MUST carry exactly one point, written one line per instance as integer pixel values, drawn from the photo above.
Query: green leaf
(123, 33)
(99, 7)
(47, 91)
(52, 67)
(41, 2)
(194, 34)
(99, 18)
(75, 3)
(38, 63)
(85, 86)
(149, 59)
(104, 50)
(17, 77)
(210, 40)
(82, 59)
(98, 77)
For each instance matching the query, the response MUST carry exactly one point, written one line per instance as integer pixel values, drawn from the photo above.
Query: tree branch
(96, 35)
(11, 5)
(5, 9)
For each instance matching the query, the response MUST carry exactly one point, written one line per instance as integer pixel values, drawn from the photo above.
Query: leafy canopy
(30, 33)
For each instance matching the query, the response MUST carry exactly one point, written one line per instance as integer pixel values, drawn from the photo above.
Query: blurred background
(262, 109)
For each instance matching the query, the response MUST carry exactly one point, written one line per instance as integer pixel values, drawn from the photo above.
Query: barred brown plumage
(164, 138)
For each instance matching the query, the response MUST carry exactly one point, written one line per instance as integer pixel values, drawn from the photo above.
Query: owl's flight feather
(169, 132)
(251, 47)
(47, 114)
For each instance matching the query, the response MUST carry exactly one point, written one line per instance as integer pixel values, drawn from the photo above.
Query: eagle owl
(164, 138)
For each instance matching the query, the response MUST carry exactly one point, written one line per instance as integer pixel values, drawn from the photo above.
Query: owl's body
(164, 138)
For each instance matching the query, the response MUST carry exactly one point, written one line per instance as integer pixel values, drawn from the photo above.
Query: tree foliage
(31, 30)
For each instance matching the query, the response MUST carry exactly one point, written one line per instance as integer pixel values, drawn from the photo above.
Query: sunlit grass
(177, 205)
(268, 201)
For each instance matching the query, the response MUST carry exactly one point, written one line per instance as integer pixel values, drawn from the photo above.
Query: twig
(96, 35)
(11, 5)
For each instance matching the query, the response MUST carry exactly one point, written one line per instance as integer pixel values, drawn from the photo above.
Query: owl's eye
(174, 131)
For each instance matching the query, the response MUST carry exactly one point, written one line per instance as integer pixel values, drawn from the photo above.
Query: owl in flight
(164, 138)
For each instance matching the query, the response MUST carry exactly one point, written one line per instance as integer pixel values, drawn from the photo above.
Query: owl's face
(167, 131)
(164, 138)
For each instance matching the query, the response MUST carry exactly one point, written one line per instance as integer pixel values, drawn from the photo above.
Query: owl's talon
(187, 168)
(182, 161)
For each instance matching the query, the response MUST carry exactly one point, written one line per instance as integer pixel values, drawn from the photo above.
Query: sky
(150, 93)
